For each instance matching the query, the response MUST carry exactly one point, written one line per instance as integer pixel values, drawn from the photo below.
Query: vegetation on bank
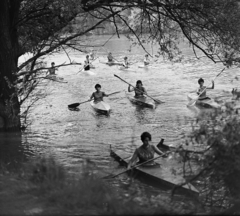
(218, 132)
(44, 187)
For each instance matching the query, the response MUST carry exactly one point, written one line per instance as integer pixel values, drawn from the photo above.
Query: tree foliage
(218, 133)
(211, 26)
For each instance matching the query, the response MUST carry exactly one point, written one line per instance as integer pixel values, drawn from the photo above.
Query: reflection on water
(71, 136)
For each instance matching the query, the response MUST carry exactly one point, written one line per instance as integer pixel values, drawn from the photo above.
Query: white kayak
(142, 101)
(146, 66)
(54, 77)
(125, 69)
(112, 63)
(101, 107)
(207, 103)
(89, 72)
(143, 66)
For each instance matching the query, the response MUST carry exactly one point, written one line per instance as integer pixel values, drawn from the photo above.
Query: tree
(36, 26)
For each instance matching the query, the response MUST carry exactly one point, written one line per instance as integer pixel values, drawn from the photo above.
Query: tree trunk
(9, 103)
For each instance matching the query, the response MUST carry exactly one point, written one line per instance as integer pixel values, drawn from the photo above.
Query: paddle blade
(192, 103)
(74, 105)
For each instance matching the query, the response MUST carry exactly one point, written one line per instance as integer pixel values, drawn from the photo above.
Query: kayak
(54, 77)
(112, 63)
(147, 66)
(185, 151)
(101, 107)
(125, 69)
(142, 101)
(185, 148)
(207, 103)
(160, 176)
(89, 72)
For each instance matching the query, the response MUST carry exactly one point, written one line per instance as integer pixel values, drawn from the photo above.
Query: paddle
(136, 166)
(74, 105)
(157, 101)
(195, 100)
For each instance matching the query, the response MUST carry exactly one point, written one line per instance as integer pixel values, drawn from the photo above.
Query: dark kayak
(162, 175)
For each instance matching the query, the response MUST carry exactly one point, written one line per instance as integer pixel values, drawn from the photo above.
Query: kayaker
(91, 54)
(139, 89)
(145, 152)
(87, 63)
(110, 57)
(98, 94)
(52, 69)
(146, 60)
(202, 90)
(125, 62)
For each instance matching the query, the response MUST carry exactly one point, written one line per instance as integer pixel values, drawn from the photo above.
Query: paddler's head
(125, 58)
(146, 138)
(87, 56)
(53, 64)
(98, 87)
(139, 84)
(146, 55)
(201, 81)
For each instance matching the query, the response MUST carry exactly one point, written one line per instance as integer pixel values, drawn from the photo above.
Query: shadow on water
(12, 150)
(74, 109)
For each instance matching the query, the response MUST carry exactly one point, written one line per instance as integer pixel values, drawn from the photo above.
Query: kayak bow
(101, 107)
(207, 103)
(142, 101)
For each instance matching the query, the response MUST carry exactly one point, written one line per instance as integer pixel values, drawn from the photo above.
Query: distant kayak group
(199, 97)
(124, 64)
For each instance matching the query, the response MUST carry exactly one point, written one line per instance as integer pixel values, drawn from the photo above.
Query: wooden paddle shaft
(114, 93)
(77, 104)
(138, 165)
(133, 86)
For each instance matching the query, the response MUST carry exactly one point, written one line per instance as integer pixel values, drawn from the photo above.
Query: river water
(72, 136)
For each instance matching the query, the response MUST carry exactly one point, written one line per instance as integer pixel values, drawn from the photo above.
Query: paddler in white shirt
(125, 62)
(202, 90)
(146, 60)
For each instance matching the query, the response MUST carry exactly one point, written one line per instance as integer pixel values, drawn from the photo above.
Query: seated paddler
(145, 152)
(98, 94)
(202, 90)
(139, 89)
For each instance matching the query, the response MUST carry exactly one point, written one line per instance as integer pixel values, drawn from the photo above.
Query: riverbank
(44, 187)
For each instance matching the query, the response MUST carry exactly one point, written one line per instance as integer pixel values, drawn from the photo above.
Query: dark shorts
(87, 68)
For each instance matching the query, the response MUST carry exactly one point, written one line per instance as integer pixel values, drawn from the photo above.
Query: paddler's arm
(144, 90)
(133, 160)
(157, 150)
(129, 89)
(104, 95)
(85, 64)
(92, 96)
(212, 85)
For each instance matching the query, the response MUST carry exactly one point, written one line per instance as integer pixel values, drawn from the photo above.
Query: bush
(219, 133)
(44, 183)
